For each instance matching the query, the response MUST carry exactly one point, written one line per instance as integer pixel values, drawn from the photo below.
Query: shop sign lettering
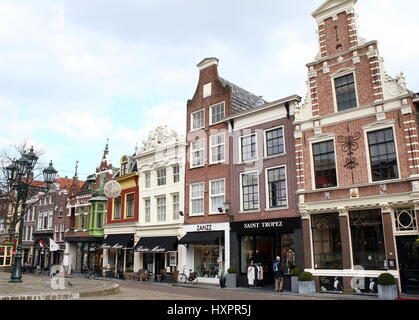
(206, 227)
(258, 225)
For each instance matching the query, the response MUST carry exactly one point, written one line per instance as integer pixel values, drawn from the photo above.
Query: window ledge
(216, 163)
(197, 215)
(197, 167)
(274, 156)
(250, 211)
(277, 209)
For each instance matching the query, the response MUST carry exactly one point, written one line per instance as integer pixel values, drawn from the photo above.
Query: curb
(109, 290)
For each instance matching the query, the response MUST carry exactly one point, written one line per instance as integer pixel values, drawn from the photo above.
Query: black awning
(201, 237)
(156, 244)
(118, 241)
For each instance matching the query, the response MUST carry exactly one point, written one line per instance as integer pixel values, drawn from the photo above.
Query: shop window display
(367, 239)
(208, 261)
(259, 249)
(288, 252)
(327, 246)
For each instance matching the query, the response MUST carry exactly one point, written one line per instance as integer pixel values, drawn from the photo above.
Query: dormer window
(124, 166)
(207, 90)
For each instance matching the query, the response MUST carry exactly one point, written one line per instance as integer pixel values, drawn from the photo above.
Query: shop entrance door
(408, 254)
(160, 262)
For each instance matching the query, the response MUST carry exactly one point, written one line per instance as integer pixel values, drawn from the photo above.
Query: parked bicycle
(90, 274)
(188, 276)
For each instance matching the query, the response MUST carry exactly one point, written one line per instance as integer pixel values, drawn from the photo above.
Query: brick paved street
(130, 290)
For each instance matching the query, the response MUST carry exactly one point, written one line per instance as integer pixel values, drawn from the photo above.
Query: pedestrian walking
(278, 274)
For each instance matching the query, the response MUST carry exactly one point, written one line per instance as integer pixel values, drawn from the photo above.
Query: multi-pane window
(81, 219)
(197, 149)
(277, 186)
(250, 191)
(31, 235)
(62, 230)
(117, 208)
(217, 148)
(217, 113)
(45, 222)
(383, 155)
(275, 142)
(198, 120)
(217, 195)
(345, 92)
(161, 209)
(324, 164)
(61, 212)
(50, 216)
(161, 177)
(124, 168)
(147, 206)
(405, 220)
(130, 205)
(248, 148)
(327, 245)
(56, 232)
(176, 174)
(197, 198)
(175, 203)
(147, 179)
(99, 220)
(40, 217)
(367, 239)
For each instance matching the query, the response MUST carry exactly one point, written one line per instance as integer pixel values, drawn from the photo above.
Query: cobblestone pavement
(41, 285)
(130, 290)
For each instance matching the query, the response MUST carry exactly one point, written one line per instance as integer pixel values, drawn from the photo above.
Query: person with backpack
(278, 274)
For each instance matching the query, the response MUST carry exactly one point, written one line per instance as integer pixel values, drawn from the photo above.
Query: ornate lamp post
(18, 176)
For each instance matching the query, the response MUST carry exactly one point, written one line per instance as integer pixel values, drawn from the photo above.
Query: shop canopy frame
(206, 237)
(157, 244)
(118, 241)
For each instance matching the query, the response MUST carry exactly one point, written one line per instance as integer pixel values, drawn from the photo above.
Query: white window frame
(241, 145)
(163, 177)
(40, 220)
(50, 219)
(217, 145)
(207, 90)
(165, 208)
(192, 117)
(369, 129)
(214, 211)
(268, 204)
(145, 210)
(313, 177)
(210, 112)
(147, 182)
(198, 150)
(176, 175)
(342, 73)
(241, 191)
(197, 198)
(265, 142)
(175, 212)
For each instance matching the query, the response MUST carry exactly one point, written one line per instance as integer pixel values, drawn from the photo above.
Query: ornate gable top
(331, 7)
(159, 137)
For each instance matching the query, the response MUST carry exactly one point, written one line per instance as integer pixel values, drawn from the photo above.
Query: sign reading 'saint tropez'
(258, 225)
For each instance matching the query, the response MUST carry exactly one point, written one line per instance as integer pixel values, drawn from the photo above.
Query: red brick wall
(208, 172)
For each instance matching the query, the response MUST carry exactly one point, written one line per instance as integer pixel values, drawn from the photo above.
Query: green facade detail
(96, 218)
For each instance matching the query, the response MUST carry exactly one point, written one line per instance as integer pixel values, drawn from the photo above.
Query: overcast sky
(74, 73)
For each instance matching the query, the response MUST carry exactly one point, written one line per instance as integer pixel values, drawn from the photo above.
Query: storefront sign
(286, 224)
(206, 227)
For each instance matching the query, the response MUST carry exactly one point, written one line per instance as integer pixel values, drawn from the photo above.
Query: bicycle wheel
(195, 281)
(182, 278)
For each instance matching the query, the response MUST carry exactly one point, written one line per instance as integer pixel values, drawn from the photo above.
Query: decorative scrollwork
(350, 145)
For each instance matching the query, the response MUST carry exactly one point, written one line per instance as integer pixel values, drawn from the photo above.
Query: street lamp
(227, 209)
(18, 175)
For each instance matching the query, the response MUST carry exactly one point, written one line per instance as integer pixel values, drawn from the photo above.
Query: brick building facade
(357, 171)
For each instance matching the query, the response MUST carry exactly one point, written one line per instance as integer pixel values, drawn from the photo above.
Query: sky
(74, 73)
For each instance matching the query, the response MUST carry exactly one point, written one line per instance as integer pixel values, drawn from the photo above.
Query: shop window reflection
(207, 261)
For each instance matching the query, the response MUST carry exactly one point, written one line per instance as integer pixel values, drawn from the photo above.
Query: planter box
(306, 287)
(294, 284)
(387, 292)
(231, 280)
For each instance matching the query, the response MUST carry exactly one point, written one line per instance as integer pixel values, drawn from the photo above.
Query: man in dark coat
(278, 274)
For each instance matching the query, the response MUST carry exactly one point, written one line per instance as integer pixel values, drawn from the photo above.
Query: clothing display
(251, 275)
(254, 274)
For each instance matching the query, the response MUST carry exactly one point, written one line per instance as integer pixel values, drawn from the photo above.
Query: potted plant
(306, 284)
(294, 279)
(222, 279)
(387, 287)
(231, 278)
(128, 274)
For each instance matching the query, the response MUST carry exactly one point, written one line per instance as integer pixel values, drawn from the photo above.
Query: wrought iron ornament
(349, 144)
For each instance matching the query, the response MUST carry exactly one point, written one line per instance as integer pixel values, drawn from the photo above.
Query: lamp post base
(15, 281)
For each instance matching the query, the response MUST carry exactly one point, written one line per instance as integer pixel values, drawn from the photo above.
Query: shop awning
(156, 244)
(118, 241)
(201, 237)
